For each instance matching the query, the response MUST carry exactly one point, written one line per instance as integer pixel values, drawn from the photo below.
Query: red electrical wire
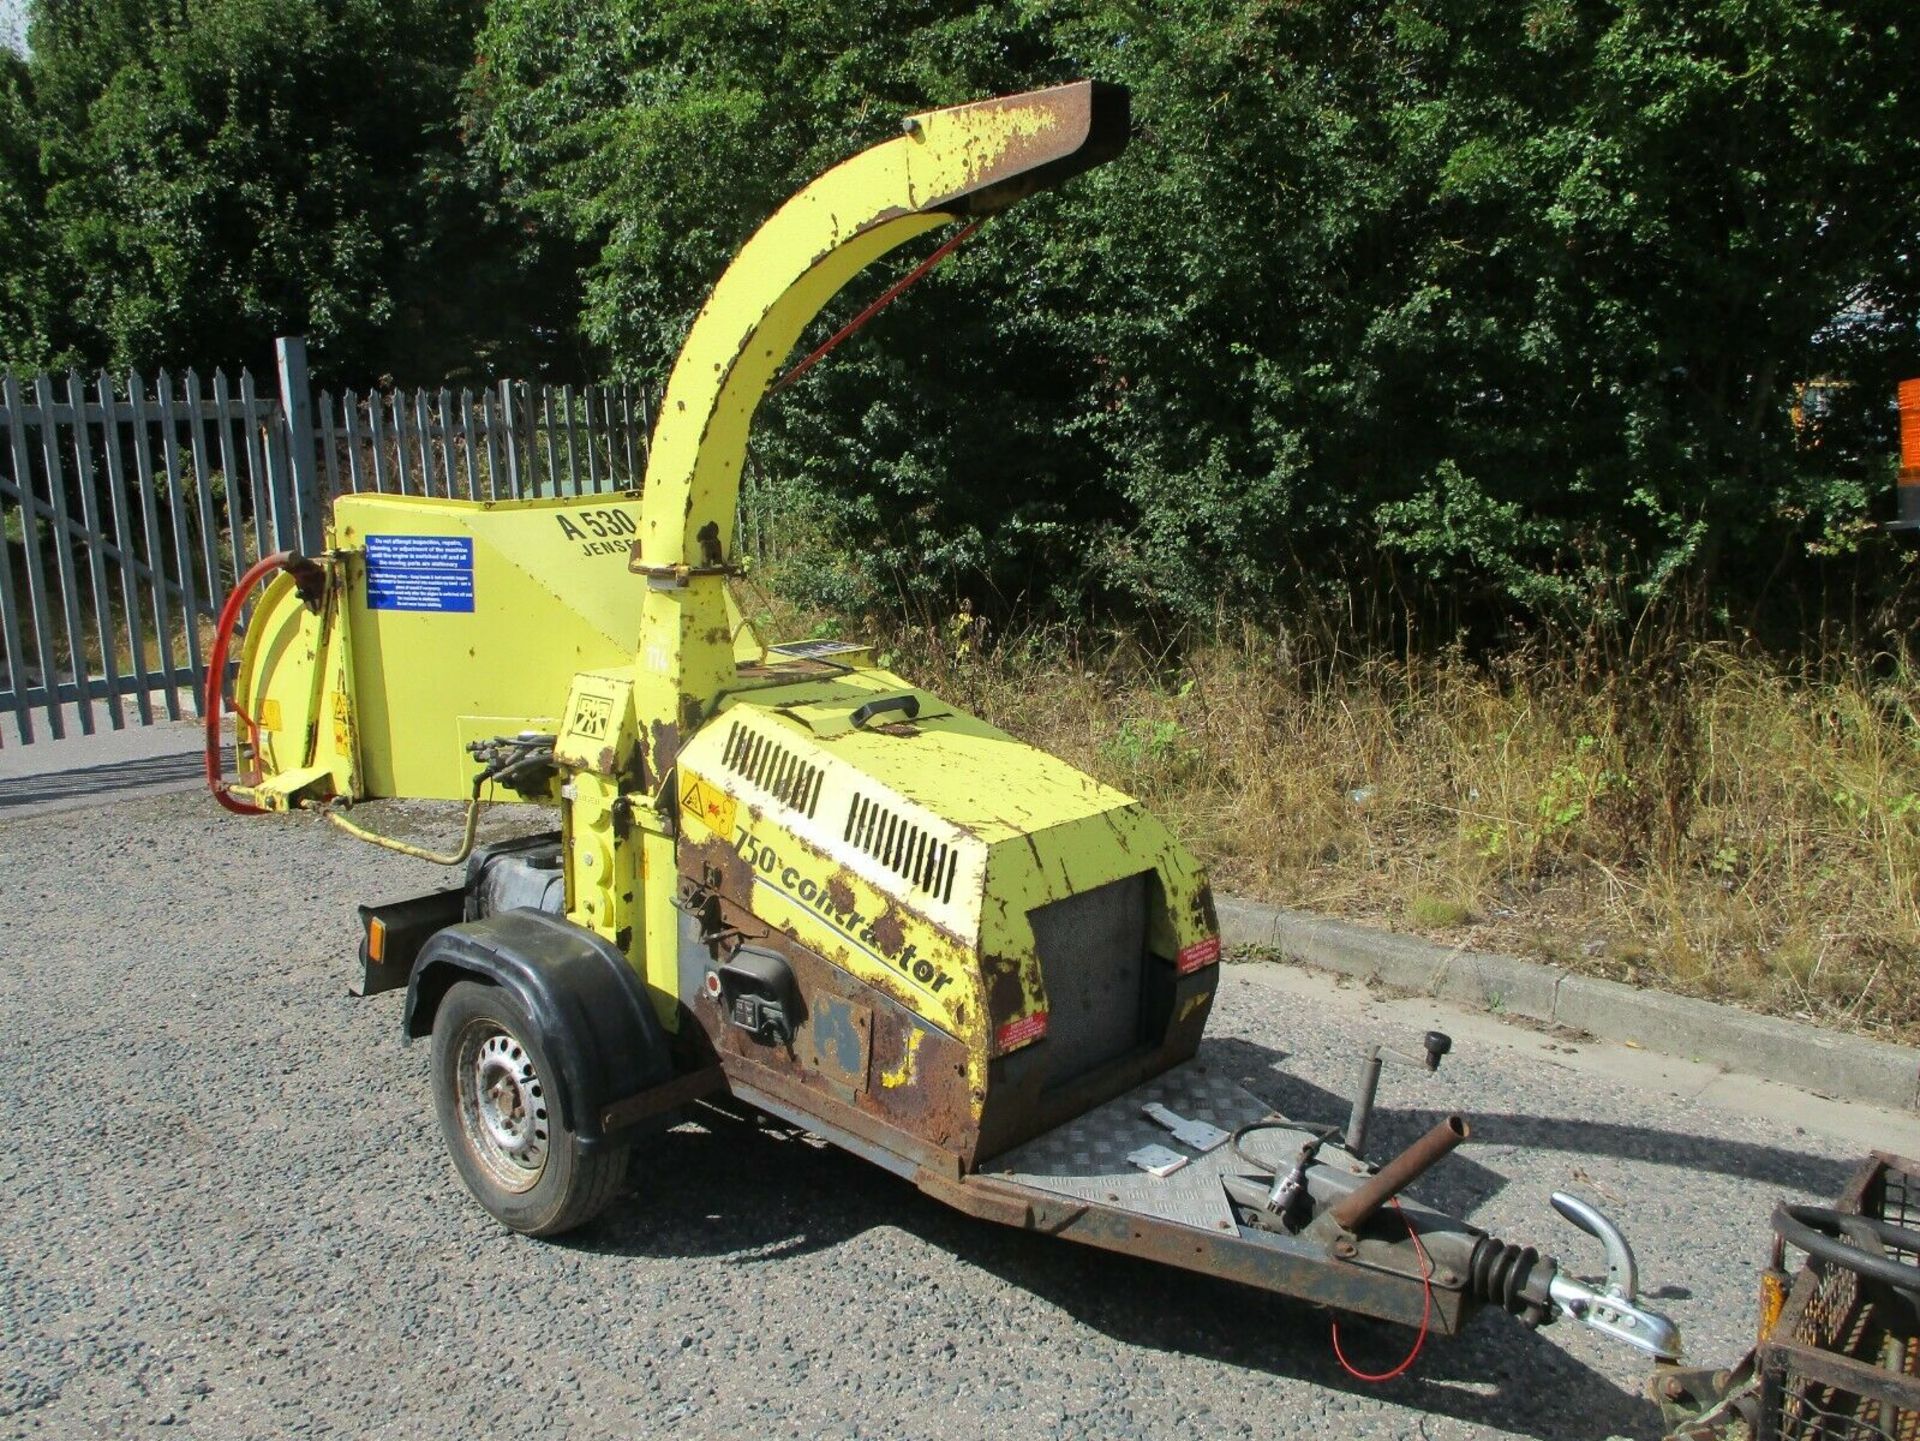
(1426, 1315)
(886, 298)
(213, 704)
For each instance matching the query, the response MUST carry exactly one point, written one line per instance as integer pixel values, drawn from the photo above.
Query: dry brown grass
(1710, 824)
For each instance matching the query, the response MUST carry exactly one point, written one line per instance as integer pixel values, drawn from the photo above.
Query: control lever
(1613, 1310)
(1435, 1043)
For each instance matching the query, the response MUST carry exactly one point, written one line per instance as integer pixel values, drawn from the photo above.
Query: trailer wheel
(502, 1125)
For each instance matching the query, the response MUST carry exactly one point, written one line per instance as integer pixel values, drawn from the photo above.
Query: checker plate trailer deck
(786, 878)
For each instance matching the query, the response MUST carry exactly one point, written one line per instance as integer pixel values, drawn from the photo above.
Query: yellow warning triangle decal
(706, 803)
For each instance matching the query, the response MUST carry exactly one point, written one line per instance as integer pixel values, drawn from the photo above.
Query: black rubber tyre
(502, 1126)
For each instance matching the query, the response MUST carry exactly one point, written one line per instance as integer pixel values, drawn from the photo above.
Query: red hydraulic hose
(1426, 1314)
(214, 703)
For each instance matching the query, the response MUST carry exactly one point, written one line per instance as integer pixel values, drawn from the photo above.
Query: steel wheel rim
(502, 1105)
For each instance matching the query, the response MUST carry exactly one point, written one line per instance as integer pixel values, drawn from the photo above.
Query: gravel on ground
(232, 1216)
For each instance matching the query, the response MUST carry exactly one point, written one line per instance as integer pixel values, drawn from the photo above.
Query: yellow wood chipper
(786, 878)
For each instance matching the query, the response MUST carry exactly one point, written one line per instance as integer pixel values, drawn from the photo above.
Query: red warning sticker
(1200, 953)
(1018, 1033)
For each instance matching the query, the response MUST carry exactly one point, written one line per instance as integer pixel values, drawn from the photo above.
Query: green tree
(1519, 294)
(658, 136)
(26, 308)
(1458, 309)
(222, 171)
(1451, 313)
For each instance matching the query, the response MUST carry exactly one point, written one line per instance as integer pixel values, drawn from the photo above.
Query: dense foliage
(25, 307)
(1453, 312)
(211, 174)
(1521, 292)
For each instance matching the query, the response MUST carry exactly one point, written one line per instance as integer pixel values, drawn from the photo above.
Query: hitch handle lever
(1615, 1311)
(1623, 1273)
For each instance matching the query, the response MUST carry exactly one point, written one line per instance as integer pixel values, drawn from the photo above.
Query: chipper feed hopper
(784, 877)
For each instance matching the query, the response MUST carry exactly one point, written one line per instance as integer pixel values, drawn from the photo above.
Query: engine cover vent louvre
(774, 768)
(923, 861)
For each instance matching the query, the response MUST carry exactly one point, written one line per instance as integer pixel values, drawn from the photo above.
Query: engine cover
(988, 912)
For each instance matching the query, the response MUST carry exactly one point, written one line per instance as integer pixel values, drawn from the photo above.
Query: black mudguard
(596, 1025)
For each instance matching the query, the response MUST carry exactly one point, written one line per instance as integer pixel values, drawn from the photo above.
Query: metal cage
(1842, 1362)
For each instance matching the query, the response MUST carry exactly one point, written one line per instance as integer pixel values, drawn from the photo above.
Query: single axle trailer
(782, 876)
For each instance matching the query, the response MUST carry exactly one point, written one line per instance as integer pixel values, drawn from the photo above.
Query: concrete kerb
(1830, 1063)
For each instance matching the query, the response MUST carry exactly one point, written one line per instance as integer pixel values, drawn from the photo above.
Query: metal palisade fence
(129, 505)
(512, 441)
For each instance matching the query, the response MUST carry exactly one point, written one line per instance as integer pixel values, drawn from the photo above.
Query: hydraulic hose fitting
(214, 703)
(1290, 1186)
(309, 578)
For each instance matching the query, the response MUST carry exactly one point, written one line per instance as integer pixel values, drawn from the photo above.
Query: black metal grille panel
(771, 766)
(923, 861)
(1093, 958)
(1898, 1203)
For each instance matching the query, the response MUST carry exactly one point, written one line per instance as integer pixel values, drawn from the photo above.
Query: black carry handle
(907, 703)
(1817, 1231)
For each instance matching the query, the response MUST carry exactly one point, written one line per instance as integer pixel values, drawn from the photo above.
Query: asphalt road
(230, 1214)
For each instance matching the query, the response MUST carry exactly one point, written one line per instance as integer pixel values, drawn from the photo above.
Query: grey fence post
(296, 403)
(509, 422)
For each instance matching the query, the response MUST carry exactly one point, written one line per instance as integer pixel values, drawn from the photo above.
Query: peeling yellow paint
(902, 1075)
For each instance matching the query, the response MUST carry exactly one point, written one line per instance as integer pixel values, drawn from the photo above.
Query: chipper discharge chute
(785, 877)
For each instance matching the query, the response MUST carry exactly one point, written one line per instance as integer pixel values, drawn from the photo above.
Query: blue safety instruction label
(420, 572)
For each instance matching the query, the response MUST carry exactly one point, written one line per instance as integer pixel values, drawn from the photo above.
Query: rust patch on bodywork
(633, 774)
(1205, 916)
(1006, 996)
(1087, 125)
(664, 743)
(711, 553)
(888, 933)
(847, 1033)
